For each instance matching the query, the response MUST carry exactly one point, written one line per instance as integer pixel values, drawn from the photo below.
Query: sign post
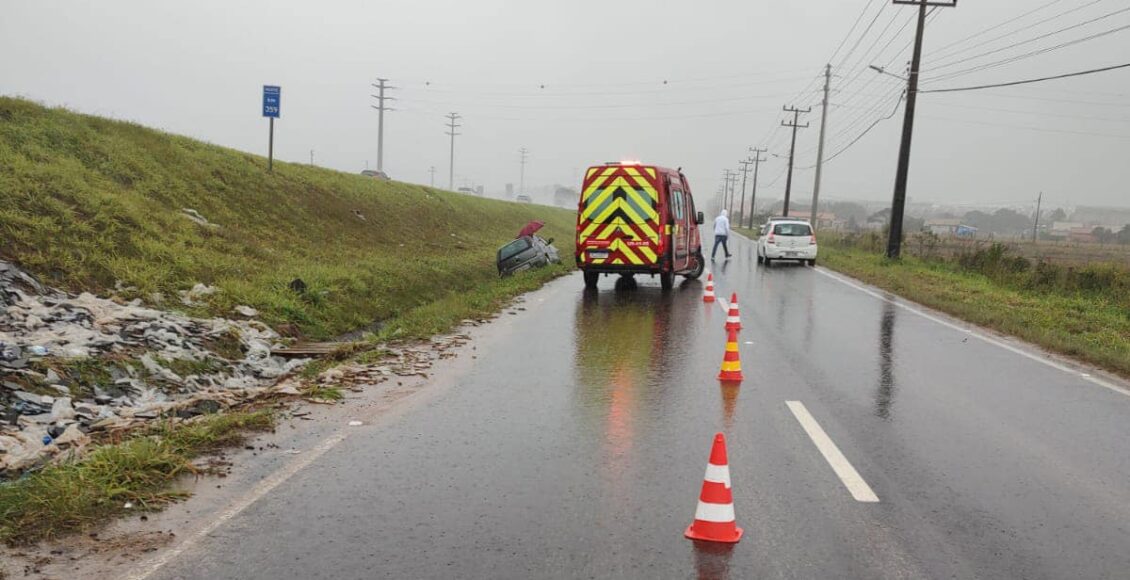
(272, 99)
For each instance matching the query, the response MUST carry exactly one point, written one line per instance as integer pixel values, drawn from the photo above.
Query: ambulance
(638, 219)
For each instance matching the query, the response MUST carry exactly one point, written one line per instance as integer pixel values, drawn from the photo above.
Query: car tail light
(812, 241)
(771, 239)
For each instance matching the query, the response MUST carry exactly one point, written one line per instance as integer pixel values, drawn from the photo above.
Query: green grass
(84, 493)
(86, 202)
(1093, 326)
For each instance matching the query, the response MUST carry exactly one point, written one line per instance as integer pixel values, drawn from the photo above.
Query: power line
(1023, 42)
(1003, 62)
(871, 24)
(1029, 81)
(1005, 23)
(859, 18)
(861, 135)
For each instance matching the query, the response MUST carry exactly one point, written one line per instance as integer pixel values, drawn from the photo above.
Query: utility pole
(731, 181)
(381, 108)
(898, 203)
(753, 198)
(792, 150)
(523, 152)
(1036, 226)
(432, 171)
(745, 163)
(451, 126)
(820, 147)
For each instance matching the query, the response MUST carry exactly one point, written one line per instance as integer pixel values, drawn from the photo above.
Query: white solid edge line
(847, 474)
(263, 488)
(979, 335)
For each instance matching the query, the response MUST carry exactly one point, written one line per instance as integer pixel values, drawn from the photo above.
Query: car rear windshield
(792, 230)
(513, 248)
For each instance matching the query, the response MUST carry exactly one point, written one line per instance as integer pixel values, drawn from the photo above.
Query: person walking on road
(721, 233)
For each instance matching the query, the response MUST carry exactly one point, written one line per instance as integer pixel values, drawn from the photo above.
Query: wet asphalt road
(575, 445)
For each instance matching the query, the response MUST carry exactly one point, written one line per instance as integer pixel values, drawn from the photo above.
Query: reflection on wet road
(574, 448)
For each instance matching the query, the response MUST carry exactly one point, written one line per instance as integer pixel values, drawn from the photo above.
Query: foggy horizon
(578, 84)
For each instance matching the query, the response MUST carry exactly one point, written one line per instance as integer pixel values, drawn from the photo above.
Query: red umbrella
(530, 228)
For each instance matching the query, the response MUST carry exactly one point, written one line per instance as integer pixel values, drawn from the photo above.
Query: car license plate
(791, 253)
(598, 254)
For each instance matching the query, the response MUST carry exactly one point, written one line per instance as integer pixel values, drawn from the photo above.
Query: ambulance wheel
(699, 266)
(591, 278)
(667, 280)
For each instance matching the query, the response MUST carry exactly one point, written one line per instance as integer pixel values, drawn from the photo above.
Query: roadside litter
(73, 365)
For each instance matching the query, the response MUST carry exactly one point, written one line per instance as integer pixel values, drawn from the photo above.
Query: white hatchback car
(786, 239)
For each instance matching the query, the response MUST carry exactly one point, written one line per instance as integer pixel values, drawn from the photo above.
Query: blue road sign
(272, 98)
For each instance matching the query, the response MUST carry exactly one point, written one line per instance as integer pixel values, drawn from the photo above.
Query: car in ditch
(527, 251)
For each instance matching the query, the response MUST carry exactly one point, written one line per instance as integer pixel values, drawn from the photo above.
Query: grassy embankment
(81, 494)
(86, 202)
(1081, 311)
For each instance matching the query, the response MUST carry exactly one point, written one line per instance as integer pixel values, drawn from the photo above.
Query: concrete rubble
(73, 365)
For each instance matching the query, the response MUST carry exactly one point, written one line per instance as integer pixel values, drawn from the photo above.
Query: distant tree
(883, 215)
(1057, 216)
(852, 224)
(1124, 235)
(1007, 221)
(847, 210)
(913, 224)
(979, 220)
(1103, 235)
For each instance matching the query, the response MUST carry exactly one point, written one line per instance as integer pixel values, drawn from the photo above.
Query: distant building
(1062, 230)
(1085, 234)
(942, 227)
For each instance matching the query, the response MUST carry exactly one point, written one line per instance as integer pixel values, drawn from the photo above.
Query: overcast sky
(690, 84)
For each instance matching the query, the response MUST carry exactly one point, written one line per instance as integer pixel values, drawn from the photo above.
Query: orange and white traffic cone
(733, 319)
(708, 294)
(714, 519)
(732, 362)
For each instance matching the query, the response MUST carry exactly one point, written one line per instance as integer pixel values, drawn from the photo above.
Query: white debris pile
(70, 365)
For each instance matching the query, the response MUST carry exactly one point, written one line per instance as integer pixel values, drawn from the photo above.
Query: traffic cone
(708, 294)
(733, 319)
(714, 517)
(731, 362)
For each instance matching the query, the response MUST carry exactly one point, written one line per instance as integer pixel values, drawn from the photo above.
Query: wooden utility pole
(1036, 225)
(757, 159)
(792, 150)
(745, 163)
(820, 147)
(898, 203)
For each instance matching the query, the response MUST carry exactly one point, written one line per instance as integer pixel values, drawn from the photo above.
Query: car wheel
(591, 278)
(768, 261)
(760, 259)
(667, 280)
(812, 262)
